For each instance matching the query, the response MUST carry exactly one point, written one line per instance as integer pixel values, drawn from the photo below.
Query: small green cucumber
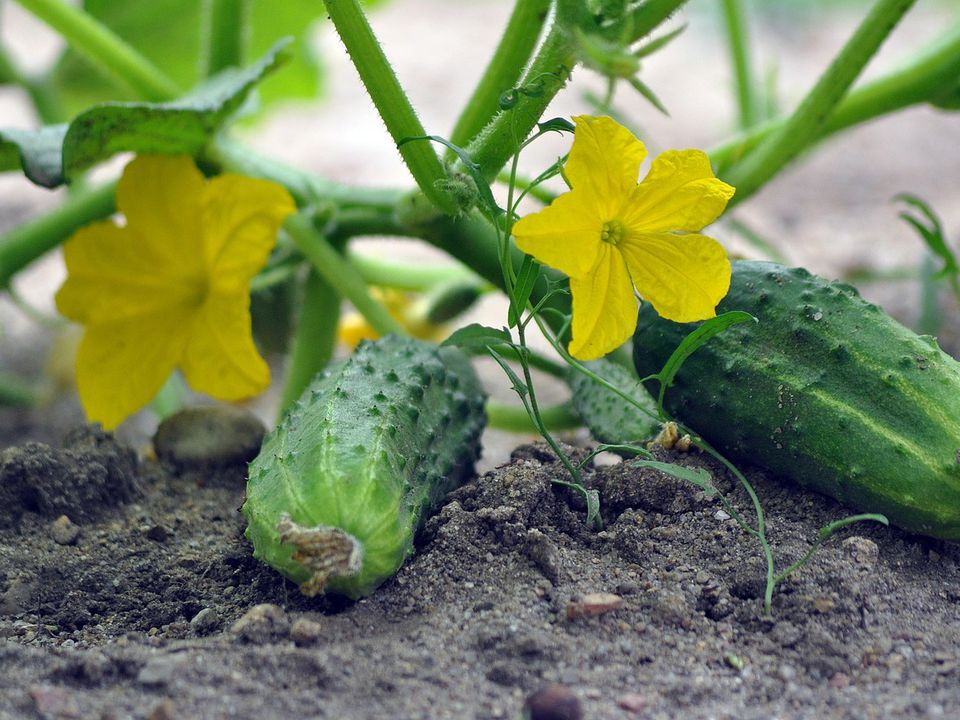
(827, 390)
(357, 465)
(608, 416)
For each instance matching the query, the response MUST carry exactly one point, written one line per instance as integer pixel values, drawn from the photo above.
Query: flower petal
(680, 193)
(113, 274)
(565, 235)
(220, 358)
(122, 365)
(604, 163)
(160, 195)
(240, 220)
(682, 276)
(604, 307)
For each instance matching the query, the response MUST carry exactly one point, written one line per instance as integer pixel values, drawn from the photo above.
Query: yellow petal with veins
(679, 194)
(122, 365)
(604, 163)
(682, 276)
(565, 235)
(604, 307)
(220, 358)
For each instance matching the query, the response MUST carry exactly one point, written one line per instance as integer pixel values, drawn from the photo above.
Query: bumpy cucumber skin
(372, 447)
(827, 390)
(608, 416)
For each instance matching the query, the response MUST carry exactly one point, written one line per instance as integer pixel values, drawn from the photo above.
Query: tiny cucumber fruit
(374, 444)
(827, 390)
(609, 417)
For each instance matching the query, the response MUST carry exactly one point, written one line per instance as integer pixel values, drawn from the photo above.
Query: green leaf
(476, 336)
(53, 155)
(519, 386)
(689, 345)
(526, 278)
(168, 32)
(697, 476)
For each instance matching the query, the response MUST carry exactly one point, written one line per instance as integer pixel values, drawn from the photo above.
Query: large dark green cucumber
(357, 465)
(826, 389)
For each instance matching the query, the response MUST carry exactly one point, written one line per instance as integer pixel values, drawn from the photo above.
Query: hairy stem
(390, 100)
(808, 120)
(226, 37)
(738, 42)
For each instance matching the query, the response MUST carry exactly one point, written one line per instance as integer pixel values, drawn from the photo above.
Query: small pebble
(593, 604)
(159, 670)
(262, 623)
(205, 621)
(839, 680)
(305, 632)
(217, 435)
(554, 702)
(64, 531)
(632, 702)
(163, 711)
(861, 550)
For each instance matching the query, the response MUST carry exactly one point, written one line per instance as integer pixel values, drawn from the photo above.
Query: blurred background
(832, 211)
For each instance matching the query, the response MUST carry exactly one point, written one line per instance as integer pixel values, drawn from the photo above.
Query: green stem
(104, 48)
(739, 44)
(16, 392)
(515, 48)
(921, 79)
(226, 35)
(548, 73)
(24, 244)
(172, 397)
(808, 120)
(408, 276)
(645, 18)
(44, 99)
(390, 100)
(314, 341)
(514, 418)
(337, 271)
(306, 188)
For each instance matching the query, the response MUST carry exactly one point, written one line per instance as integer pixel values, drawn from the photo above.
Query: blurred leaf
(52, 155)
(168, 32)
(477, 336)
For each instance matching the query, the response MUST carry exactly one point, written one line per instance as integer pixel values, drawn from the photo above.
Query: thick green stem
(548, 73)
(16, 392)
(306, 188)
(24, 244)
(738, 42)
(645, 18)
(810, 117)
(515, 418)
(391, 101)
(314, 341)
(515, 48)
(931, 72)
(339, 273)
(408, 276)
(103, 47)
(226, 37)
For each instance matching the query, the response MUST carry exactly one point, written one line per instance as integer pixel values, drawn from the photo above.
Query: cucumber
(354, 469)
(609, 418)
(827, 390)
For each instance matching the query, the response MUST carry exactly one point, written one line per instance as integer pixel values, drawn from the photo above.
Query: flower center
(612, 232)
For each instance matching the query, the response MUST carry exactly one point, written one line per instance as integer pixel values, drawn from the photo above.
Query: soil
(152, 607)
(127, 589)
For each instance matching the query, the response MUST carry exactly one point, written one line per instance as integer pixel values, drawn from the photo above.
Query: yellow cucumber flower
(354, 328)
(170, 287)
(611, 235)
